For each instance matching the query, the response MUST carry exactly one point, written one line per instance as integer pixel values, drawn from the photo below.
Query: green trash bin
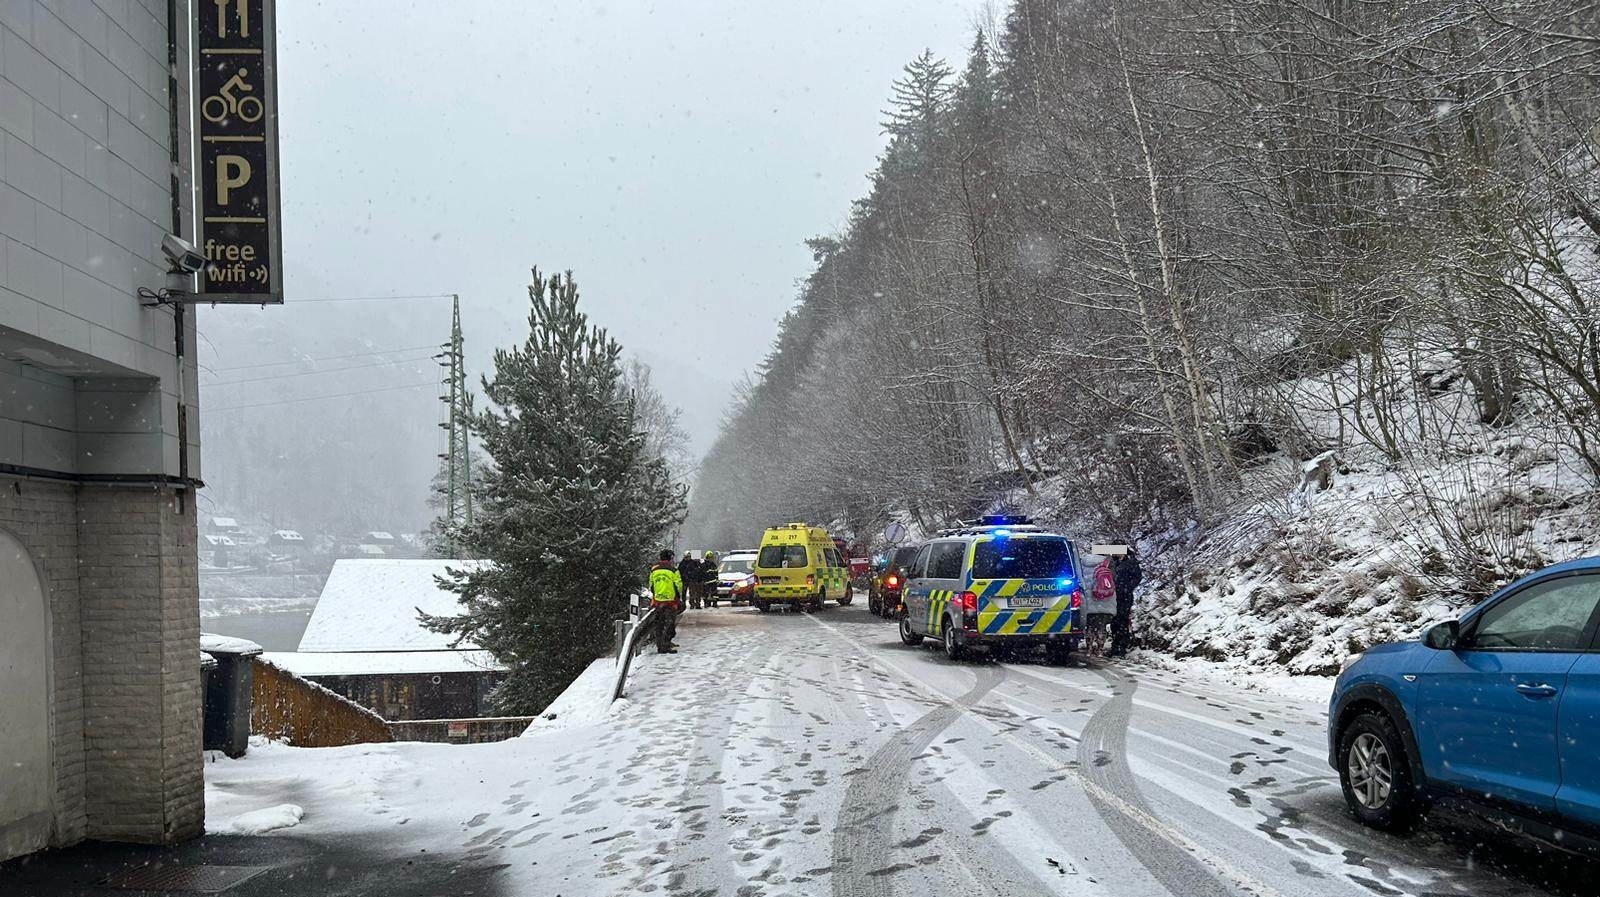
(227, 693)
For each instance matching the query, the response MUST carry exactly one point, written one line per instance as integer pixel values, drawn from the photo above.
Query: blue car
(1500, 708)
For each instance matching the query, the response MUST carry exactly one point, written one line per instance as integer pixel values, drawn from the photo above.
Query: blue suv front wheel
(1375, 773)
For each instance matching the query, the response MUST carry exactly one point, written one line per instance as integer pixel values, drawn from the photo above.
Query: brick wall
(139, 605)
(123, 589)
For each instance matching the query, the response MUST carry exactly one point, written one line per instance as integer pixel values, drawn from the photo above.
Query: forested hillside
(1132, 262)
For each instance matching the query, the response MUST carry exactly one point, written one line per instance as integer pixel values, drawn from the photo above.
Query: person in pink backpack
(1103, 593)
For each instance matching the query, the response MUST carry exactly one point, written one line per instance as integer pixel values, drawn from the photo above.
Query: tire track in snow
(1103, 760)
(1242, 882)
(862, 837)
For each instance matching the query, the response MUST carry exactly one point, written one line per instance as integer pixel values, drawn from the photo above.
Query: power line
(337, 395)
(351, 367)
(268, 364)
(368, 298)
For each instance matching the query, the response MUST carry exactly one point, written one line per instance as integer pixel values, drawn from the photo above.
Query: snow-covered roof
(377, 663)
(224, 523)
(227, 644)
(380, 536)
(371, 605)
(219, 540)
(288, 535)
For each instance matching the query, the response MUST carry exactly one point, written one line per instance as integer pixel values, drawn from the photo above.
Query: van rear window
(902, 558)
(1021, 558)
(780, 556)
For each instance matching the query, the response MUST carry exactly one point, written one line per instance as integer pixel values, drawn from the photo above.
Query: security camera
(184, 256)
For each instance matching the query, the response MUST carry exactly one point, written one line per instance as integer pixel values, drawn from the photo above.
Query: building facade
(365, 642)
(100, 689)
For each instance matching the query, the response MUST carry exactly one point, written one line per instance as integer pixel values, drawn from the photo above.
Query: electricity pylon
(458, 451)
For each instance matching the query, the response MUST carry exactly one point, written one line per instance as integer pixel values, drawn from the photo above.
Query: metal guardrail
(630, 647)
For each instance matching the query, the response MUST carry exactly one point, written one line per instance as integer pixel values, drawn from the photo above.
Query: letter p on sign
(232, 171)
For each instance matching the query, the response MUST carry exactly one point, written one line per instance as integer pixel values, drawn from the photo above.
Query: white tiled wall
(85, 198)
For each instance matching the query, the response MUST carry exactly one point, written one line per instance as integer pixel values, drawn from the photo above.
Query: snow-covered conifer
(570, 509)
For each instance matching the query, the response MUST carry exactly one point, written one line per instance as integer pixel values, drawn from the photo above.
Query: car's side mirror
(1442, 636)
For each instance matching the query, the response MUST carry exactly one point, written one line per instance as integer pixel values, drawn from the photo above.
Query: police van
(1001, 584)
(799, 565)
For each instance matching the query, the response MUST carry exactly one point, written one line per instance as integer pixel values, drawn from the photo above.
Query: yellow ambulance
(798, 565)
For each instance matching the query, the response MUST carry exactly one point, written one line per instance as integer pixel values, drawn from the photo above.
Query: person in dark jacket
(708, 578)
(1127, 576)
(689, 569)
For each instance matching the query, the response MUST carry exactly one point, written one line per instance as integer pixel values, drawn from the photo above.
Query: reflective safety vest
(665, 584)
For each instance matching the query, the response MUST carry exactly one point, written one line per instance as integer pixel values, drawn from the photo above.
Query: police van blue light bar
(1004, 520)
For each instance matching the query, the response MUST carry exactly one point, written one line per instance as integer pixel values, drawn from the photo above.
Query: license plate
(771, 580)
(1028, 601)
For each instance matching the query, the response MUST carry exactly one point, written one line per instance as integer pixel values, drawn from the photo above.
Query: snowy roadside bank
(586, 701)
(1312, 689)
(587, 781)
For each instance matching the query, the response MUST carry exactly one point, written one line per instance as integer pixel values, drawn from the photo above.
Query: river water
(274, 631)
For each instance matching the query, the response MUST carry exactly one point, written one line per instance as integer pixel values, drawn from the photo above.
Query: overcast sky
(674, 155)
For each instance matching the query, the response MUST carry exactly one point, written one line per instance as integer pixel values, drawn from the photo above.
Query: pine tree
(441, 536)
(570, 510)
(919, 104)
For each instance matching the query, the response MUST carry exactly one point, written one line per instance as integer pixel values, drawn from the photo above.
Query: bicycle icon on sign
(217, 108)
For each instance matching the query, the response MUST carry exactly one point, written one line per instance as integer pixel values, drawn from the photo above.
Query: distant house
(283, 538)
(364, 642)
(376, 544)
(216, 548)
(223, 525)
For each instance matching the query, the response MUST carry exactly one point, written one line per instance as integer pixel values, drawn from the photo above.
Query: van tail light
(969, 602)
(1077, 598)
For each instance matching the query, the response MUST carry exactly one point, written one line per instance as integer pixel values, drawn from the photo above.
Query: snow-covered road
(811, 755)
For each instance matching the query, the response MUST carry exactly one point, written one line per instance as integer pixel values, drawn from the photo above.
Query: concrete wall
(27, 817)
(43, 517)
(89, 379)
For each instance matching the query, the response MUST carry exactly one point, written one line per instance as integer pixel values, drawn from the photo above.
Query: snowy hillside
(1297, 577)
